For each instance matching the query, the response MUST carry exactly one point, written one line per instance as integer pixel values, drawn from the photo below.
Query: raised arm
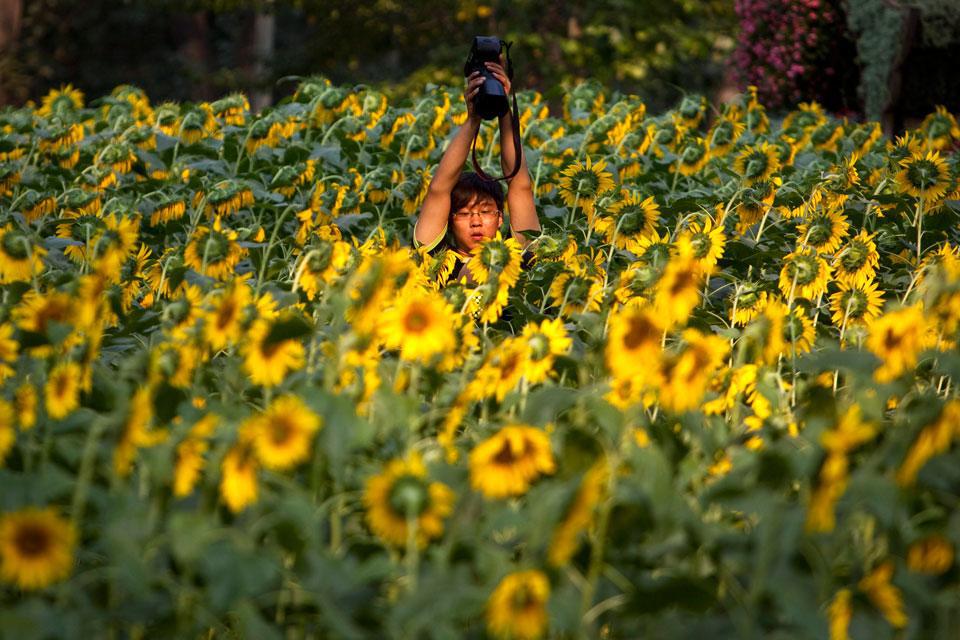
(436, 204)
(520, 202)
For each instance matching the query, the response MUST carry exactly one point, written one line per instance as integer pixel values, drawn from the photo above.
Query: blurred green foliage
(199, 49)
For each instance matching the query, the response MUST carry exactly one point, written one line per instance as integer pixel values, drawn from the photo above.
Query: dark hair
(470, 186)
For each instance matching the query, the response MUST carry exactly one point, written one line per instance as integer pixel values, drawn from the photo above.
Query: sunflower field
(717, 398)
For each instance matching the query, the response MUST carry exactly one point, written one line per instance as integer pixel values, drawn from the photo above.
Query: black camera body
(491, 99)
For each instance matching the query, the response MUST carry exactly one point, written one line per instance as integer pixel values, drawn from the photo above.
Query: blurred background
(891, 60)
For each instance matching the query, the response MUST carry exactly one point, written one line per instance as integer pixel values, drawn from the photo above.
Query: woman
(460, 209)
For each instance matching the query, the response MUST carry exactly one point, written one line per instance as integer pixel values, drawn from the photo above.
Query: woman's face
(477, 220)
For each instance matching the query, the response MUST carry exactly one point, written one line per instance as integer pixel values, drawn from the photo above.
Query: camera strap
(517, 143)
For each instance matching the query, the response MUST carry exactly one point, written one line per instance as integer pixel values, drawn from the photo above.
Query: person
(461, 209)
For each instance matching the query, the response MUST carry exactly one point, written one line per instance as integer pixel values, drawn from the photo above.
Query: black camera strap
(517, 143)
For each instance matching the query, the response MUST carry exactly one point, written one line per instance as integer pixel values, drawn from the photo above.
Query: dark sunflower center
(281, 430)
(505, 454)
(686, 279)
(416, 321)
(891, 340)
(639, 333)
(227, 312)
(32, 540)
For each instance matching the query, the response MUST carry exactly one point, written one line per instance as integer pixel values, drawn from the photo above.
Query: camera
(491, 99)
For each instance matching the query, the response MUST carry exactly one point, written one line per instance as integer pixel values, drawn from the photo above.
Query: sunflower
(747, 302)
(496, 258)
(724, 134)
(839, 615)
(652, 248)
(857, 262)
(190, 455)
(678, 289)
(940, 129)
(826, 136)
(62, 391)
(577, 291)
(268, 359)
(804, 118)
(517, 608)
(583, 182)
(804, 274)
(756, 202)
(9, 348)
(924, 176)
(683, 376)
(222, 323)
(707, 242)
(934, 439)
(60, 102)
(283, 434)
(508, 462)
(636, 284)
(420, 325)
(693, 155)
(25, 403)
(37, 313)
(884, 596)
(857, 302)
(824, 230)
(8, 430)
(932, 555)
(20, 257)
(545, 341)
(136, 432)
(633, 343)
(238, 475)
(630, 216)
(36, 547)
(894, 337)
(402, 495)
(114, 242)
(757, 164)
(579, 515)
(501, 370)
(213, 252)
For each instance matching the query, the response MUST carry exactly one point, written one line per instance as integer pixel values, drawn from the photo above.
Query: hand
(499, 73)
(474, 80)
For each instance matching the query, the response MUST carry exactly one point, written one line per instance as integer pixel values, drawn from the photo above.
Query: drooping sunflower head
(214, 252)
(940, 129)
(20, 257)
(517, 608)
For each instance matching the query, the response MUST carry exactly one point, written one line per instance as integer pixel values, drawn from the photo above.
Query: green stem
(85, 472)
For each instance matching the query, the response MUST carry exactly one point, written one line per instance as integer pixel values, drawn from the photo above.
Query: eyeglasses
(466, 215)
